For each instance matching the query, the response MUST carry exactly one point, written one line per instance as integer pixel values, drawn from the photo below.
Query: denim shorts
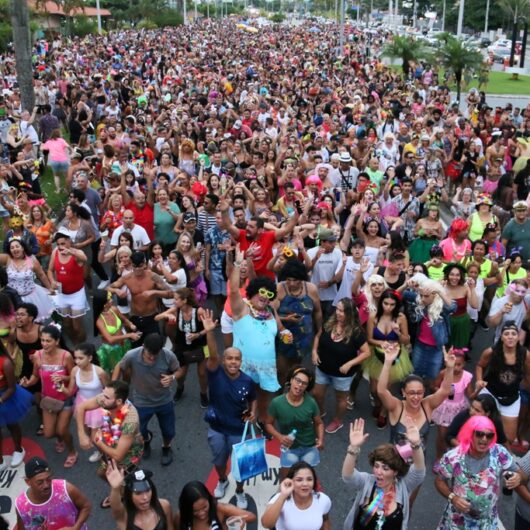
(309, 455)
(217, 282)
(166, 419)
(59, 167)
(221, 445)
(340, 384)
(427, 360)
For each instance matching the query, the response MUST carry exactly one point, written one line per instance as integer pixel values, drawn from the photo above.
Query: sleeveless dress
(57, 512)
(88, 390)
(18, 405)
(256, 340)
(110, 355)
(29, 348)
(460, 324)
(444, 414)
(23, 281)
(198, 285)
(374, 364)
(303, 329)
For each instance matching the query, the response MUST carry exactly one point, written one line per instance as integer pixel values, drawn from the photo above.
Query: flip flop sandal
(40, 430)
(105, 503)
(59, 447)
(70, 461)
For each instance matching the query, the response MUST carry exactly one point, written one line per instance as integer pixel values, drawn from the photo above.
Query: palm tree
(406, 48)
(458, 60)
(515, 8)
(22, 44)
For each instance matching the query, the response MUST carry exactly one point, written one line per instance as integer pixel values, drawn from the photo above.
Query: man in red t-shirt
(141, 205)
(255, 241)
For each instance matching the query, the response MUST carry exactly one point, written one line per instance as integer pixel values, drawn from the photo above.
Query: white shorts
(509, 411)
(227, 323)
(73, 305)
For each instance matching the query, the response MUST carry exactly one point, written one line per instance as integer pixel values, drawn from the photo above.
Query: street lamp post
(341, 45)
(460, 17)
(487, 17)
(99, 17)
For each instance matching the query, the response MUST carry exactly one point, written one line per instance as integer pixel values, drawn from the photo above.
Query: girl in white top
(298, 506)
(88, 381)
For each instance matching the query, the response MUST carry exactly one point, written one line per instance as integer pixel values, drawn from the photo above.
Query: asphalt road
(192, 462)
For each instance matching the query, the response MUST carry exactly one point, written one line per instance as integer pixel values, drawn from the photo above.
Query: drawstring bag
(248, 456)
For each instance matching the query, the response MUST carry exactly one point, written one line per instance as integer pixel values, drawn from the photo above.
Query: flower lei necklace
(258, 314)
(112, 427)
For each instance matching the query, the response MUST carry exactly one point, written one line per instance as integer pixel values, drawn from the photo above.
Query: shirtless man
(146, 288)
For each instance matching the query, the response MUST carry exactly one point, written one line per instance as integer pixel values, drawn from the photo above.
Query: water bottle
(291, 436)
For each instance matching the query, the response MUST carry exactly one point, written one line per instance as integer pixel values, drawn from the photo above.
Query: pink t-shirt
(454, 252)
(425, 334)
(57, 150)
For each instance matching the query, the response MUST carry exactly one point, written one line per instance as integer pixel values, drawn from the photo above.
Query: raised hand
(391, 351)
(357, 434)
(114, 475)
(208, 323)
(286, 487)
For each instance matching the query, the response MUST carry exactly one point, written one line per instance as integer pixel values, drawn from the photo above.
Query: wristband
(354, 451)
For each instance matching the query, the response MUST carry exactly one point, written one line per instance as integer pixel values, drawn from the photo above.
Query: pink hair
(313, 179)
(457, 226)
(475, 423)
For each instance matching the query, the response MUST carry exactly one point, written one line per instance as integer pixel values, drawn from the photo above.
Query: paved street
(192, 461)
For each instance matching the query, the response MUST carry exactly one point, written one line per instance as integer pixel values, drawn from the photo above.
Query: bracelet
(354, 451)
(237, 264)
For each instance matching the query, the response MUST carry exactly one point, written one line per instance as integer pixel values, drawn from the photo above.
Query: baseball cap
(60, 235)
(327, 235)
(189, 217)
(35, 465)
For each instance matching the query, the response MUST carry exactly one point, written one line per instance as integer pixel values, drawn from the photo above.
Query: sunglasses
(483, 434)
(266, 293)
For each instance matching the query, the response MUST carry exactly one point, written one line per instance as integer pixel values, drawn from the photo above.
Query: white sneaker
(95, 457)
(103, 284)
(220, 489)
(241, 500)
(17, 458)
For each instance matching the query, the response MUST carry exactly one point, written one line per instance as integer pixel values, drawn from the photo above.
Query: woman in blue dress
(300, 313)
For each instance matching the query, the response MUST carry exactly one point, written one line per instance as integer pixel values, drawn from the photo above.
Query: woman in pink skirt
(456, 402)
(89, 381)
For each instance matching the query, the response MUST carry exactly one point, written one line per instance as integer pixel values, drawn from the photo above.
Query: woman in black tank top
(140, 508)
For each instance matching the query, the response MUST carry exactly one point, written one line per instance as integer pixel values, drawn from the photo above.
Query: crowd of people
(325, 218)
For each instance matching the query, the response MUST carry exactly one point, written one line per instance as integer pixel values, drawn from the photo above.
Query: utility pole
(460, 18)
(341, 28)
(99, 17)
(443, 16)
(414, 14)
(487, 16)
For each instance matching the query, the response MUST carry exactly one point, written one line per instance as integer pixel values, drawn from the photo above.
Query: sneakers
(178, 393)
(334, 426)
(350, 403)
(103, 284)
(95, 457)
(167, 456)
(17, 458)
(204, 401)
(220, 489)
(147, 445)
(241, 500)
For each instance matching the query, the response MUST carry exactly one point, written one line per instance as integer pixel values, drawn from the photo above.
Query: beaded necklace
(264, 314)
(111, 429)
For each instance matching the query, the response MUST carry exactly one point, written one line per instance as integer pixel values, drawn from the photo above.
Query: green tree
(458, 60)
(406, 48)
(22, 44)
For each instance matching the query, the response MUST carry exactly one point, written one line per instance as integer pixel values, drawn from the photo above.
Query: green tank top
(509, 277)
(435, 273)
